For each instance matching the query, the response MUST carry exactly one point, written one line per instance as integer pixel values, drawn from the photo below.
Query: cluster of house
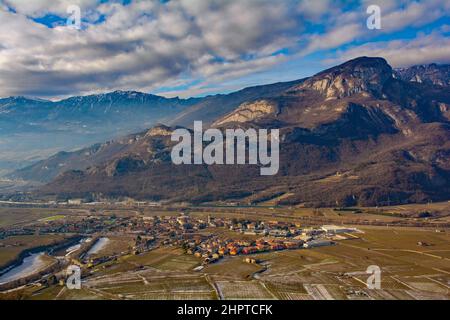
(197, 236)
(215, 249)
(275, 236)
(73, 224)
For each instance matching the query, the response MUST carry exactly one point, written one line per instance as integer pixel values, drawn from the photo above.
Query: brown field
(243, 290)
(11, 247)
(233, 268)
(409, 270)
(16, 216)
(116, 245)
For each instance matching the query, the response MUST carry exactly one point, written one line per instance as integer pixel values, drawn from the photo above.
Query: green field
(23, 216)
(52, 218)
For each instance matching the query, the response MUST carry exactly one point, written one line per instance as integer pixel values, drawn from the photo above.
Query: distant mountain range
(95, 120)
(32, 129)
(431, 74)
(356, 134)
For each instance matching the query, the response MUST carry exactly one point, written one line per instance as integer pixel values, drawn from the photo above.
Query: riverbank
(49, 248)
(32, 264)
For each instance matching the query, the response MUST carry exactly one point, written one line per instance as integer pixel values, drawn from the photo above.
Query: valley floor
(414, 260)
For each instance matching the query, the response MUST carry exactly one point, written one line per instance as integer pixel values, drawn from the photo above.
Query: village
(254, 253)
(209, 239)
(271, 236)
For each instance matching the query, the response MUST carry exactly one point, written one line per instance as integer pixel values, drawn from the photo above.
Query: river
(29, 266)
(99, 245)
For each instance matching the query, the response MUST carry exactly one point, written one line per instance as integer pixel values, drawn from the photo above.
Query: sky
(199, 47)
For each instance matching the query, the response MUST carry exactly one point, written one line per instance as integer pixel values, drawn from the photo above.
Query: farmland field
(11, 247)
(243, 290)
(414, 262)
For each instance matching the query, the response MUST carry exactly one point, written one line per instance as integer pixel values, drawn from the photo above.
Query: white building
(332, 229)
(75, 201)
(317, 243)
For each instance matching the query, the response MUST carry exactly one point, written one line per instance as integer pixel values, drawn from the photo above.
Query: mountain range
(34, 129)
(359, 133)
(431, 74)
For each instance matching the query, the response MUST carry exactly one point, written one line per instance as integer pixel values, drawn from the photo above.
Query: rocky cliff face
(160, 130)
(432, 74)
(249, 111)
(351, 135)
(361, 76)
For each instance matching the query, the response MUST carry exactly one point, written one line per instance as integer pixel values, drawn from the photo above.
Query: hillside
(432, 74)
(31, 129)
(350, 135)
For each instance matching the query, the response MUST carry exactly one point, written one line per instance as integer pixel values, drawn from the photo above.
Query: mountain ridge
(370, 139)
(37, 129)
(432, 74)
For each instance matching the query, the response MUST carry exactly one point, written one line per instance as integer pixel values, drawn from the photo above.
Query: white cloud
(149, 44)
(315, 9)
(403, 53)
(445, 28)
(346, 27)
(142, 45)
(334, 38)
(415, 14)
(38, 8)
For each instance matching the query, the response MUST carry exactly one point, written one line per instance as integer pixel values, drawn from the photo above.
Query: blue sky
(198, 47)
